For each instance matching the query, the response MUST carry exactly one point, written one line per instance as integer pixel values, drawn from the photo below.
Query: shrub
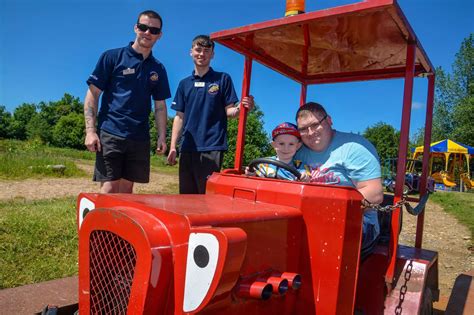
(69, 131)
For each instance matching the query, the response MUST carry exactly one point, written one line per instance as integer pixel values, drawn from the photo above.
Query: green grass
(17, 146)
(160, 164)
(21, 159)
(29, 159)
(38, 241)
(461, 205)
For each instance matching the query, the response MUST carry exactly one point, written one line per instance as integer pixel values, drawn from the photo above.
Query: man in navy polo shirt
(127, 77)
(203, 102)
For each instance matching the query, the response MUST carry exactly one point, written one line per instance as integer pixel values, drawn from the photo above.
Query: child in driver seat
(286, 141)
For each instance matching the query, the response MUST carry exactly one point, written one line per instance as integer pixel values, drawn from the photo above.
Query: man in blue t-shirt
(127, 78)
(203, 102)
(340, 158)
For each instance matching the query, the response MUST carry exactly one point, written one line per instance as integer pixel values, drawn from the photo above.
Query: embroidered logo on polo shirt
(153, 76)
(213, 88)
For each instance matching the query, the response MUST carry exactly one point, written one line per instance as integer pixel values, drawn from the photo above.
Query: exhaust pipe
(280, 286)
(255, 290)
(294, 7)
(294, 279)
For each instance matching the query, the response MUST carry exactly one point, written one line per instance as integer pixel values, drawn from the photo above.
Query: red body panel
(264, 227)
(310, 230)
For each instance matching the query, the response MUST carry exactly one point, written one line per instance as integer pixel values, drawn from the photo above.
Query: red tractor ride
(255, 245)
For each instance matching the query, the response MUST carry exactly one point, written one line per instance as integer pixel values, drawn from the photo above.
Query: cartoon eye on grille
(203, 253)
(85, 206)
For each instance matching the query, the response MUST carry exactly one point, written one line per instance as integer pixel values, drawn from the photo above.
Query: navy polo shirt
(128, 82)
(203, 101)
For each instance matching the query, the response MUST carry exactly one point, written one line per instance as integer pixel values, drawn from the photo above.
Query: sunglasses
(153, 30)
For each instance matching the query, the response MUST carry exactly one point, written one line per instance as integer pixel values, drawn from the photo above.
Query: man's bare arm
(233, 111)
(91, 104)
(161, 115)
(175, 134)
(371, 189)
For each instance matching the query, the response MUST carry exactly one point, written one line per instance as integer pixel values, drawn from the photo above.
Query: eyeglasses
(153, 30)
(313, 126)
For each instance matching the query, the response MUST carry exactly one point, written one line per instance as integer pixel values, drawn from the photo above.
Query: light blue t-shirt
(349, 158)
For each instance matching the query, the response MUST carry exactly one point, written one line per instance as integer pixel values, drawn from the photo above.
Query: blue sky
(49, 47)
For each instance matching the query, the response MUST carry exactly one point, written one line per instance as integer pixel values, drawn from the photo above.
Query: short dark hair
(203, 41)
(152, 15)
(310, 107)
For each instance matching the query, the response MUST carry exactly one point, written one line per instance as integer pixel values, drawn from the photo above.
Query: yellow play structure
(454, 156)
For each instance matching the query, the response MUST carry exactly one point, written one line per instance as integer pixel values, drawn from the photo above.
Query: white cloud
(418, 105)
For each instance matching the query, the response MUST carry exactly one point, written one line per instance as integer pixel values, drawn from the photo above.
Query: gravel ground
(444, 234)
(46, 188)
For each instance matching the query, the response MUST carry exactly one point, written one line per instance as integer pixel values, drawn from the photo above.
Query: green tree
(445, 100)
(454, 107)
(257, 143)
(385, 139)
(38, 129)
(463, 116)
(5, 121)
(69, 131)
(53, 111)
(21, 117)
(463, 76)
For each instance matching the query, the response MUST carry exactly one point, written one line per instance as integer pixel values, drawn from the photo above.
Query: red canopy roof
(361, 41)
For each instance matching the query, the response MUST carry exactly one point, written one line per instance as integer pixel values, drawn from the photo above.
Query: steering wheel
(278, 164)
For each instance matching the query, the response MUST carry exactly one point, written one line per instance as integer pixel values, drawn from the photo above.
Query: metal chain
(404, 288)
(387, 208)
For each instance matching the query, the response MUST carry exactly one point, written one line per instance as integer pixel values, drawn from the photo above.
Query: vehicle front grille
(112, 266)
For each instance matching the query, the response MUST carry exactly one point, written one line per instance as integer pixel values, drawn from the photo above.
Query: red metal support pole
(426, 157)
(304, 65)
(402, 159)
(239, 147)
(303, 94)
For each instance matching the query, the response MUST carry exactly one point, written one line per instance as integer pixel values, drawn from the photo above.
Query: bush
(69, 131)
(21, 116)
(5, 120)
(38, 129)
(257, 142)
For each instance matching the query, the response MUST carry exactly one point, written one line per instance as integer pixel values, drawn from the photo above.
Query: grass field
(461, 205)
(26, 159)
(21, 159)
(38, 241)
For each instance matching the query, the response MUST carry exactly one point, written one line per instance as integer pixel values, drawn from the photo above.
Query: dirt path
(442, 232)
(34, 189)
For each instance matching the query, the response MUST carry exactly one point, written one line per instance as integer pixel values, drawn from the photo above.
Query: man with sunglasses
(127, 78)
(340, 158)
(203, 102)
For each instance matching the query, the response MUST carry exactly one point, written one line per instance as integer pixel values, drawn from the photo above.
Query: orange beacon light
(294, 7)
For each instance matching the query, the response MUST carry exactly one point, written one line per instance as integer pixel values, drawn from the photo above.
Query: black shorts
(122, 158)
(195, 168)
